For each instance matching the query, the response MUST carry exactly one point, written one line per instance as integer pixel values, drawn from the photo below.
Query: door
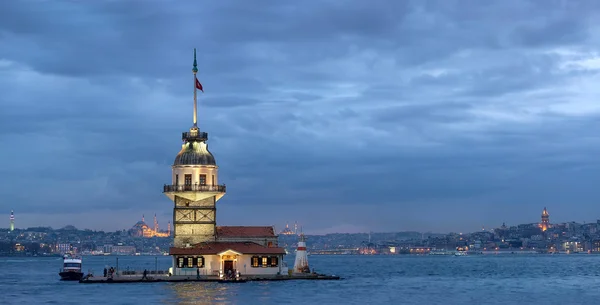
(228, 268)
(188, 182)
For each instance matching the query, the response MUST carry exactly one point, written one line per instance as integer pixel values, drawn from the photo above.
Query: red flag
(199, 85)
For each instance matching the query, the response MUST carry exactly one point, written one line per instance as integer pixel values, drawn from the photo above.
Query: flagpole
(195, 70)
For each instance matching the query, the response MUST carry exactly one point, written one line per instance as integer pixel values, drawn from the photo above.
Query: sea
(366, 279)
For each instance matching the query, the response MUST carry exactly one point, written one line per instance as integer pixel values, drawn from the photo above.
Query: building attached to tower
(199, 244)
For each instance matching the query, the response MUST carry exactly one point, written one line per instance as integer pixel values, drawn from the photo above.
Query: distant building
(64, 248)
(287, 230)
(12, 220)
(122, 250)
(141, 229)
(545, 224)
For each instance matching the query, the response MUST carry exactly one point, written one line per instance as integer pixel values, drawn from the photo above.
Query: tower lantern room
(194, 187)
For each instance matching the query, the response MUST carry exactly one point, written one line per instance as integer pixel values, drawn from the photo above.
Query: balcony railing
(194, 188)
(194, 136)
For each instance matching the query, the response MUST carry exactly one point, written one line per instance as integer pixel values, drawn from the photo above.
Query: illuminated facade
(141, 229)
(545, 224)
(200, 246)
(12, 220)
(287, 230)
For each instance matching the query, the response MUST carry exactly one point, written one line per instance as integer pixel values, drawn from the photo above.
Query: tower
(12, 220)
(545, 220)
(301, 262)
(155, 224)
(194, 189)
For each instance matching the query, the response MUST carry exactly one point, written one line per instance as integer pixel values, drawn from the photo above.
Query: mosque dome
(194, 153)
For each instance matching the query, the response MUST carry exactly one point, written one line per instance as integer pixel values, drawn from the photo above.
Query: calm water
(559, 279)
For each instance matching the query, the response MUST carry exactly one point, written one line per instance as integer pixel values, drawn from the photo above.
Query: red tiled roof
(218, 247)
(240, 231)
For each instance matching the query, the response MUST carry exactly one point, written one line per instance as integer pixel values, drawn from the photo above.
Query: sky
(342, 116)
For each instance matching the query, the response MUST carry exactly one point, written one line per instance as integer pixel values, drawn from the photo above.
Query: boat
(461, 251)
(71, 270)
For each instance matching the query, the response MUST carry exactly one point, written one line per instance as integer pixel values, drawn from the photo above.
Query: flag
(199, 85)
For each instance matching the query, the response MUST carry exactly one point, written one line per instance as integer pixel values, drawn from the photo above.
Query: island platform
(184, 278)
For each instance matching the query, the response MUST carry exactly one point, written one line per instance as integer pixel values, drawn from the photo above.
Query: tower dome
(194, 153)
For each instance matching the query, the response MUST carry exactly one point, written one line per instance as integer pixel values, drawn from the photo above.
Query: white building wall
(243, 264)
(196, 171)
(249, 270)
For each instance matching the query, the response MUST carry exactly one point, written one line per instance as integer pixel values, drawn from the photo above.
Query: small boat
(461, 251)
(71, 270)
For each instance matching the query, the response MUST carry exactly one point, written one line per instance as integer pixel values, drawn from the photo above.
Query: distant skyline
(279, 227)
(342, 115)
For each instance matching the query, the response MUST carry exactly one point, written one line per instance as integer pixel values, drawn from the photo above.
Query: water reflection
(203, 293)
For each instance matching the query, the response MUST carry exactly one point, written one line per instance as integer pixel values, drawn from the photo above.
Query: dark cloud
(386, 115)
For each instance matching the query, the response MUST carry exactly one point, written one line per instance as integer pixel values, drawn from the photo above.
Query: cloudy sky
(341, 115)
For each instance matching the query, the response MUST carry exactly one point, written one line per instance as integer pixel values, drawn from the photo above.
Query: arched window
(255, 261)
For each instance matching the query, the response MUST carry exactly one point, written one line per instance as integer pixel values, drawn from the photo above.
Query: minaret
(296, 228)
(194, 189)
(545, 220)
(169, 229)
(155, 224)
(144, 221)
(12, 220)
(301, 262)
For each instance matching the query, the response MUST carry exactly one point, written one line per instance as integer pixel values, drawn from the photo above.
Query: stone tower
(12, 220)
(545, 224)
(194, 189)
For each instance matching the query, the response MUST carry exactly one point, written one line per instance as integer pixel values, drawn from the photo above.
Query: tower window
(176, 179)
(213, 180)
(202, 179)
(188, 182)
(255, 261)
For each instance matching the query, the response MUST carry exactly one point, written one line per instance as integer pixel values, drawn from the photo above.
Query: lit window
(190, 262)
(255, 261)
(180, 262)
(265, 261)
(274, 261)
(200, 262)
